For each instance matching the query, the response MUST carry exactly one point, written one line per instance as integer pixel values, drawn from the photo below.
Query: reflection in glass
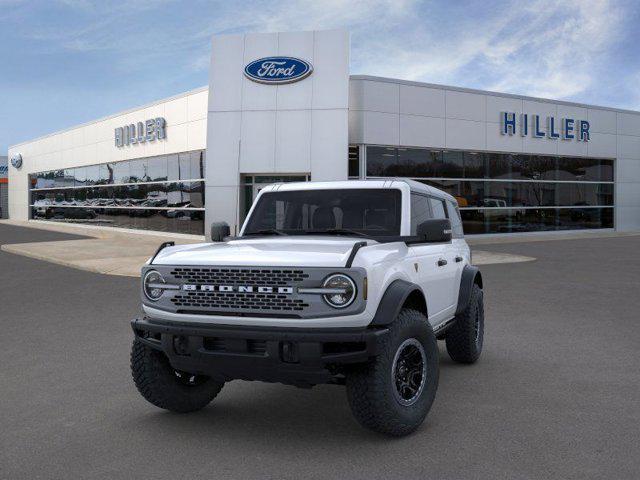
(138, 170)
(105, 174)
(449, 165)
(425, 163)
(173, 167)
(533, 167)
(197, 165)
(120, 172)
(525, 194)
(501, 192)
(92, 175)
(80, 176)
(158, 169)
(532, 220)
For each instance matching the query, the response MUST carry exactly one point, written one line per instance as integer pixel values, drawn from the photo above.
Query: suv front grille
(239, 276)
(238, 301)
(251, 291)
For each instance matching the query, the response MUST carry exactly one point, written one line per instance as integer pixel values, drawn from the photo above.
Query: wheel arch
(470, 276)
(398, 295)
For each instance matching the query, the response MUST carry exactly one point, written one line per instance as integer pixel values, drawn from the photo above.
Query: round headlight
(151, 285)
(343, 290)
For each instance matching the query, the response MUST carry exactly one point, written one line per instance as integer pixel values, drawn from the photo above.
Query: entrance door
(252, 184)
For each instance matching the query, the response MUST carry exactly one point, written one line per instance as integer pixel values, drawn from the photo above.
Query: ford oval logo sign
(16, 160)
(278, 70)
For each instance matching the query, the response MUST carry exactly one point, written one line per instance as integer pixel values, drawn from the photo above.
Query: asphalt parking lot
(556, 393)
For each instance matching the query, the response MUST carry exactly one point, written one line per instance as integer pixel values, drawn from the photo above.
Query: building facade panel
(226, 73)
(420, 131)
(628, 146)
(465, 134)
(381, 128)
(502, 143)
(628, 219)
(628, 194)
(426, 101)
(602, 121)
(628, 124)
(465, 106)
(258, 141)
(293, 140)
(603, 145)
(330, 78)
(329, 145)
(628, 170)
(381, 97)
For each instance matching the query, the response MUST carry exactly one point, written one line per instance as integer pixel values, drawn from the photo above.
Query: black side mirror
(219, 230)
(435, 230)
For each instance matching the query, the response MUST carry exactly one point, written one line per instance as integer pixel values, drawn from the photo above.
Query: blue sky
(70, 61)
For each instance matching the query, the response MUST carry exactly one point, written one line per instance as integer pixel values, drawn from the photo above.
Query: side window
(437, 206)
(456, 222)
(420, 211)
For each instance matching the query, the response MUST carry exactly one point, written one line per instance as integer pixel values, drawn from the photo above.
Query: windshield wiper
(338, 231)
(266, 231)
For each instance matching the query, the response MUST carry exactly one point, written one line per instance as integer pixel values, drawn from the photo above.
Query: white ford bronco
(348, 283)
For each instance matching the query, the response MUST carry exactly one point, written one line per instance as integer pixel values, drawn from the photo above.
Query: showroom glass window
(164, 193)
(508, 192)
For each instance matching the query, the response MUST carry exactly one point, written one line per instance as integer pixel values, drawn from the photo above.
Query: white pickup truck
(348, 283)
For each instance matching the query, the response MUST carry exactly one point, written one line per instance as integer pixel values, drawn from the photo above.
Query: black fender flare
(470, 275)
(392, 301)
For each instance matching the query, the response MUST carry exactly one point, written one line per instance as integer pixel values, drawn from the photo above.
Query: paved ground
(555, 395)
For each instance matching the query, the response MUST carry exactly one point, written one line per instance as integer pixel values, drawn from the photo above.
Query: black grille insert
(238, 301)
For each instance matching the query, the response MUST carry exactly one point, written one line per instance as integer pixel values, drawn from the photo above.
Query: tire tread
(460, 338)
(367, 387)
(153, 377)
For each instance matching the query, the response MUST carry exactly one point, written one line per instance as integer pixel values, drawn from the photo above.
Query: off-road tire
(158, 382)
(370, 387)
(464, 343)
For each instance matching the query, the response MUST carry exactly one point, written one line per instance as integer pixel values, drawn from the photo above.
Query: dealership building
(283, 107)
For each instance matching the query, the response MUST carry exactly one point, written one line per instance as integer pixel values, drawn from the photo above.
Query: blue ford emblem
(278, 70)
(16, 160)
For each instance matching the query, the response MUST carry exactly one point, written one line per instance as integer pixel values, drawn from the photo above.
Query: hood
(311, 251)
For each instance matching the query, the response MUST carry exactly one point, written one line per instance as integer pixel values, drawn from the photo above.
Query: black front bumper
(294, 356)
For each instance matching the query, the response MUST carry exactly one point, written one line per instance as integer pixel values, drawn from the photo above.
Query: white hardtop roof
(345, 184)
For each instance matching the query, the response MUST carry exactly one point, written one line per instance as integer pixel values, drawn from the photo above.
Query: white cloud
(540, 48)
(545, 49)
(566, 40)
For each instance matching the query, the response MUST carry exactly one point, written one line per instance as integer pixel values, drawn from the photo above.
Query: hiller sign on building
(566, 129)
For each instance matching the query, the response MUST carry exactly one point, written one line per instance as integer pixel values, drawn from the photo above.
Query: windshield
(368, 212)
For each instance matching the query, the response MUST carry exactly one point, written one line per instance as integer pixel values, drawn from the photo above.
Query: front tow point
(289, 352)
(181, 345)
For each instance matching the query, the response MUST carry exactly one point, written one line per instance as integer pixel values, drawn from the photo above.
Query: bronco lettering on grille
(238, 289)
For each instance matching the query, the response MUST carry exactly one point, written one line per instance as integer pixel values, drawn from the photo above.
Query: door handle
(458, 259)
(442, 262)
